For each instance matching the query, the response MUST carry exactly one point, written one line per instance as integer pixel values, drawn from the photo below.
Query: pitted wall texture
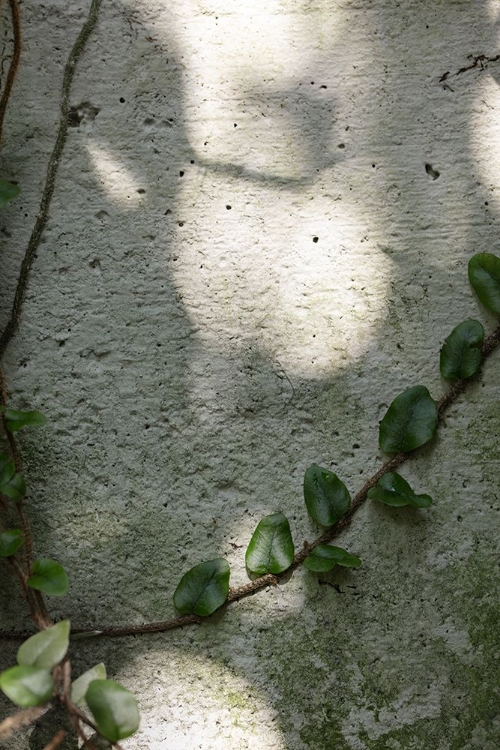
(259, 237)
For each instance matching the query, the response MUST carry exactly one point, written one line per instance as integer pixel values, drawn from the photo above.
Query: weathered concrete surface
(196, 349)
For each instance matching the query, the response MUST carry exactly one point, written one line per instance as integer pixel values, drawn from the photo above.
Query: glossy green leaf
(27, 686)
(203, 589)
(15, 488)
(46, 648)
(16, 420)
(325, 556)
(8, 191)
(10, 541)
(327, 498)
(393, 489)
(461, 354)
(80, 686)
(410, 421)
(115, 709)
(484, 275)
(7, 468)
(48, 576)
(271, 546)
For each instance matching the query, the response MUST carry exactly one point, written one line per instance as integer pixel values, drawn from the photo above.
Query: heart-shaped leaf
(461, 354)
(27, 686)
(80, 686)
(393, 489)
(325, 556)
(327, 498)
(46, 648)
(115, 709)
(48, 576)
(16, 420)
(484, 275)
(8, 191)
(15, 488)
(203, 589)
(410, 421)
(10, 541)
(271, 546)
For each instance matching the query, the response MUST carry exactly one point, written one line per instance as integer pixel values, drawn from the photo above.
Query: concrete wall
(246, 261)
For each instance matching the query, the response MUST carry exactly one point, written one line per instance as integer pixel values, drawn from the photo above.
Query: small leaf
(484, 275)
(115, 709)
(461, 354)
(327, 498)
(80, 686)
(271, 546)
(325, 556)
(47, 648)
(8, 191)
(27, 686)
(10, 541)
(203, 589)
(15, 420)
(393, 489)
(410, 421)
(7, 468)
(15, 488)
(48, 576)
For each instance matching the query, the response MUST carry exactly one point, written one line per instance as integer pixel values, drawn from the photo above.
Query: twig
(52, 169)
(21, 719)
(14, 63)
(56, 740)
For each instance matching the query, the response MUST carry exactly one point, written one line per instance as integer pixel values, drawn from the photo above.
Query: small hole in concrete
(122, 100)
(228, 208)
(341, 145)
(192, 161)
(315, 239)
(181, 173)
(181, 223)
(141, 191)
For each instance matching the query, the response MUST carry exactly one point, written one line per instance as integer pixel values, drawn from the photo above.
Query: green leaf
(461, 354)
(10, 541)
(325, 556)
(203, 589)
(327, 498)
(15, 420)
(410, 421)
(27, 686)
(48, 576)
(271, 546)
(484, 275)
(393, 490)
(7, 468)
(80, 686)
(46, 648)
(15, 488)
(115, 709)
(8, 191)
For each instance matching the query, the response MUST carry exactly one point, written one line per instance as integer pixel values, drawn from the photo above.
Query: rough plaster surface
(196, 348)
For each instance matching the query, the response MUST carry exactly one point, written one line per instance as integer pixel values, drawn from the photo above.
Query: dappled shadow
(202, 394)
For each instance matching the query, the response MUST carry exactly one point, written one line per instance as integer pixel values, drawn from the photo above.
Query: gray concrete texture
(246, 260)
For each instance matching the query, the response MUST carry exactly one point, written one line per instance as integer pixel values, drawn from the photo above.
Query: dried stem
(23, 718)
(14, 63)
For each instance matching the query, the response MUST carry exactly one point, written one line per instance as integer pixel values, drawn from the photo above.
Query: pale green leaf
(46, 648)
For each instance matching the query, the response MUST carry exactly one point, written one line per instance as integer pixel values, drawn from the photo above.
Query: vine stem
(14, 63)
(449, 398)
(53, 165)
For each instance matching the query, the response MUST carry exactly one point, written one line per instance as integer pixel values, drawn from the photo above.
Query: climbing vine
(42, 675)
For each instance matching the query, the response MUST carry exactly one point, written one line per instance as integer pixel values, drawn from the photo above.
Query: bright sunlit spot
(119, 183)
